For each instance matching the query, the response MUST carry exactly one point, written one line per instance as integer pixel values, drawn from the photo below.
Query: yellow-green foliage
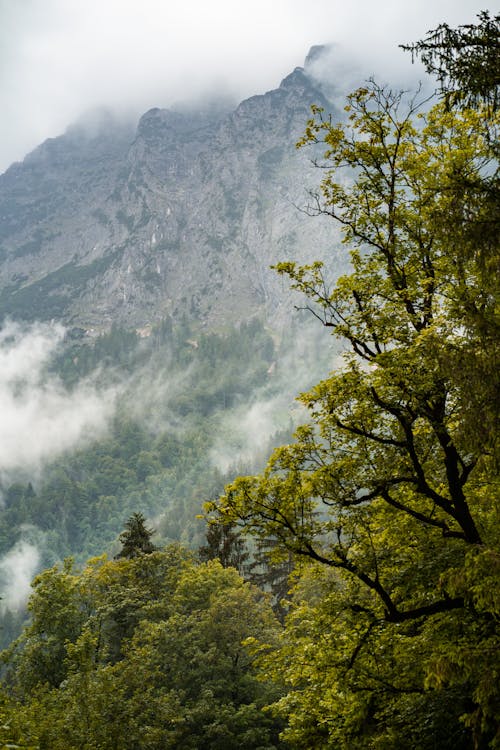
(391, 490)
(141, 653)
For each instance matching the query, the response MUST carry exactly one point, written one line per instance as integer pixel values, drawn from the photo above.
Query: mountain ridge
(183, 216)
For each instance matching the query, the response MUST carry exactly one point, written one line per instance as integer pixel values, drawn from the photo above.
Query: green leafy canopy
(391, 487)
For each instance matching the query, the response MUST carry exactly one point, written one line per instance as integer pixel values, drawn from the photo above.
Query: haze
(41, 419)
(62, 58)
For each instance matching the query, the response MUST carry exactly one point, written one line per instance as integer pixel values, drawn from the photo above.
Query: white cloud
(17, 568)
(40, 418)
(60, 58)
(243, 438)
(245, 433)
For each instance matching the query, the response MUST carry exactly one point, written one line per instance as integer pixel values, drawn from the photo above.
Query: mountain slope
(183, 217)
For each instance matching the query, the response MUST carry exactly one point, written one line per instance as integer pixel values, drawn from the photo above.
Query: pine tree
(136, 538)
(465, 60)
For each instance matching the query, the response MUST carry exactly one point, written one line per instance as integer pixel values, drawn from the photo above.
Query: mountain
(184, 216)
(156, 240)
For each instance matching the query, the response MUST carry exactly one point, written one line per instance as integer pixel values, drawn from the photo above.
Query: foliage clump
(141, 652)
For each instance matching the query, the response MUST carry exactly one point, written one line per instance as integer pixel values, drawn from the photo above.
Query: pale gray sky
(61, 58)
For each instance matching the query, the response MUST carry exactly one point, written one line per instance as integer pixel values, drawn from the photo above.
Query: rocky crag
(182, 216)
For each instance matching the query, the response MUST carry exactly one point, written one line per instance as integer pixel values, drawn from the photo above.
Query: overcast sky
(62, 58)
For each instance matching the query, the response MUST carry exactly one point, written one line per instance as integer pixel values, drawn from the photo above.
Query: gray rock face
(184, 216)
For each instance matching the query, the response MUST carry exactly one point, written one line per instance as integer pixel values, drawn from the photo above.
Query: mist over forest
(97, 429)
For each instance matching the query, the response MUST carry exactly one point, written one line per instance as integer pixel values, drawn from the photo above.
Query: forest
(182, 427)
(346, 594)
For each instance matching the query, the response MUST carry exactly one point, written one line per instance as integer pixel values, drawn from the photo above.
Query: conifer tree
(465, 60)
(136, 538)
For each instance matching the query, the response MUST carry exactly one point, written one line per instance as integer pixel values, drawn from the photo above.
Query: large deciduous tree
(390, 489)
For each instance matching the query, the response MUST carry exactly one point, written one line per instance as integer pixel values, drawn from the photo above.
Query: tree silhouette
(136, 538)
(465, 60)
(225, 543)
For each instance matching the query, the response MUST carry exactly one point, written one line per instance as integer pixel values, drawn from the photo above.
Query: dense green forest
(155, 453)
(176, 436)
(143, 651)
(381, 513)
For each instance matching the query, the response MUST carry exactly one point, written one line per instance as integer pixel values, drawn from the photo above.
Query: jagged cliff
(184, 215)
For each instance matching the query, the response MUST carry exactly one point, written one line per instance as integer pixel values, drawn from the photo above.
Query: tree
(228, 545)
(466, 60)
(136, 539)
(155, 660)
(56, 617)
(10, 738)
(272, 575)
(391, 487)
(224, 542)
(195, 665)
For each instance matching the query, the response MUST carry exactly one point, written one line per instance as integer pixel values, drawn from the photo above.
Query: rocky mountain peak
(296, 79)
(185, 217)
(315, 53)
